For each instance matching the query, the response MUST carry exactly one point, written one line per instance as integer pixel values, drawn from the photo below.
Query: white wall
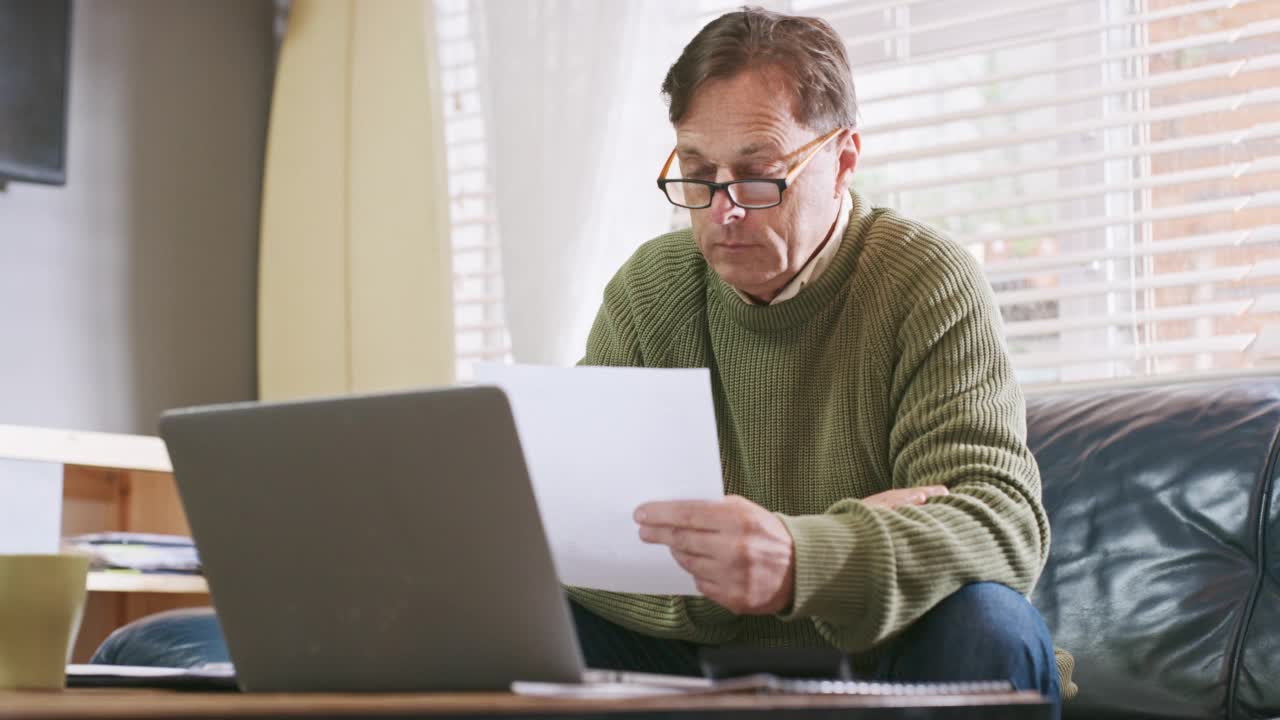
(132, 288)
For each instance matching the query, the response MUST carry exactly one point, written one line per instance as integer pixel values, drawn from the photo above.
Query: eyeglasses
(748, 193)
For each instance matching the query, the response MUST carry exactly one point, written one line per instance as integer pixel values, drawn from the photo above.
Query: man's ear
(848, 148)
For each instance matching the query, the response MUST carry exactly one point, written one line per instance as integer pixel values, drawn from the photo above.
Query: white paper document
(599, 442)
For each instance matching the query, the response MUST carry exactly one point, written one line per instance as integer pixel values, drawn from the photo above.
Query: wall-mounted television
(35, 41)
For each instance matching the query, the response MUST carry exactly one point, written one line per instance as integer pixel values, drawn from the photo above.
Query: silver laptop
(380, 543)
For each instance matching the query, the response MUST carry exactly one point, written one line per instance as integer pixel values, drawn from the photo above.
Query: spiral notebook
(598, 684)
(604, 684)
(216, 676)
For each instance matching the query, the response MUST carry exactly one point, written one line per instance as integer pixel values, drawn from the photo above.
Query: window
(479, 316)
(1114, 165)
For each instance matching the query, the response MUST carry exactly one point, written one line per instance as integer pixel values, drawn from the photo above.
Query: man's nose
(723, 211)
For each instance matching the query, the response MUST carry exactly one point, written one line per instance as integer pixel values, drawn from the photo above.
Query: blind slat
(1226, 103)
(496, 352)
(481, 327)
(1209, 207)
(851, 9)
(477, 299)
(1179, 312)
(1234, 273)
(475, 247)
(1216, 172)
(1191, 243)
(478, 274)
(1216, 344)
(973, 16)
(1265, 131)
(1195, 42)
(1053, 99)
(1050, 36)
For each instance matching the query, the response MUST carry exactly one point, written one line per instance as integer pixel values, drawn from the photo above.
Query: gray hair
(806, 50)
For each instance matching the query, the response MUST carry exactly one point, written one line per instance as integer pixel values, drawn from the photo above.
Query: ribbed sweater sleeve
(957, 419)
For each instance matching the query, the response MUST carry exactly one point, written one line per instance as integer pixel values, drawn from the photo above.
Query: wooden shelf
(126, 582)
(92, 449)
(112, 482)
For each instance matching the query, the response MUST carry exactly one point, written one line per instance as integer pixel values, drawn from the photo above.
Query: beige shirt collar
(813, 269)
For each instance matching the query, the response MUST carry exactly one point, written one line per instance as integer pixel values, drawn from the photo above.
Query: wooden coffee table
(112, 704)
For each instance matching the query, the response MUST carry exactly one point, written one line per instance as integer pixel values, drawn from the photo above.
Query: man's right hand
(899, 497)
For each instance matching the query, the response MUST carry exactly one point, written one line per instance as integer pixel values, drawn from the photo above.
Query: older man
(853, 352)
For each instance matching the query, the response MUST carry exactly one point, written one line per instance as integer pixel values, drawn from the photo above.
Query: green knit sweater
(888, 371)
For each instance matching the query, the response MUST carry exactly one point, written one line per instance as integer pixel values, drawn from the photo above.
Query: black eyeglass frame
(781, 183)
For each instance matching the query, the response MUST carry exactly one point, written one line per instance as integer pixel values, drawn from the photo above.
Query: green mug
(41, 603)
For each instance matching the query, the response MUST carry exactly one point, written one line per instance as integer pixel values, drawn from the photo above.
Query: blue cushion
(184, 638)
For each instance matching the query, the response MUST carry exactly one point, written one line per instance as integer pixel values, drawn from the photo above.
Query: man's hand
(905, 496)
(741, 555)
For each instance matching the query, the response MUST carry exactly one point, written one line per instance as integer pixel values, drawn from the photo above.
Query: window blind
(1114, 165)
(479, 309)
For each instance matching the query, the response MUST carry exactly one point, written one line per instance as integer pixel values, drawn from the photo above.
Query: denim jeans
(983, 631)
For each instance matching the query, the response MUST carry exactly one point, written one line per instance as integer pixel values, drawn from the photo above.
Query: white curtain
(578, 133)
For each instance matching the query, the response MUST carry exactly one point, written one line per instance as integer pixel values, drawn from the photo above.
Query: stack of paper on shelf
(142, 552)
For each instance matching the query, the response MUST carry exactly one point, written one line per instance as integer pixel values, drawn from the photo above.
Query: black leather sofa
(1164, 574)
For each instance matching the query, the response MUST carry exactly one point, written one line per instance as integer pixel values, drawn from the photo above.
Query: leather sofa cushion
(1257, 689)
(1152, 495)
(189, 637)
